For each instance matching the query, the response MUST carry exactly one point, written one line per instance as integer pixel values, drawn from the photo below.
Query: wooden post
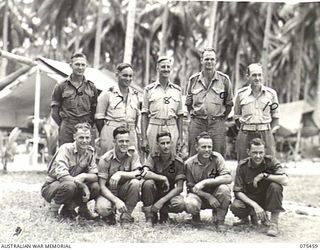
(36, 120)
(130, 31)
(97, 43)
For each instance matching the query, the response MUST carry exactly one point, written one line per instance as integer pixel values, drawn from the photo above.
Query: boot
(164, 217)
(126, 218)
(196, 219)
(85, 212)
(151, 217)
(243, 221)
(110, 219)
(68, 211)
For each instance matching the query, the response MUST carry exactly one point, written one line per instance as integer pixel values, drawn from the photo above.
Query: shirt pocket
(68, 97)
(247, 105)
(264, 104)
(198, 96)
(216, 95)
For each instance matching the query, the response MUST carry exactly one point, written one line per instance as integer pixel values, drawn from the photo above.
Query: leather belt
(163, 122)
(255, 127)
(128, 125)
(210, 118)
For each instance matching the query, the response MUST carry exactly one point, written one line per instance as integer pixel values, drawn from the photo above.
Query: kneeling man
(72, 176)
(207, 182)
(118, 174)
(258, 188)
(164, 177)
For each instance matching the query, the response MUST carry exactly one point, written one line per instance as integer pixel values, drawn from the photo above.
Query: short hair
(163, 58)
(83, 126)
(163, 134)
(210, 49)
(248, 68)
(256, 142)
(77, 55)
(120, 131)
(204, 135)
(122, 66)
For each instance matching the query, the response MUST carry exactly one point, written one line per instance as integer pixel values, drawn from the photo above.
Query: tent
(17, 98)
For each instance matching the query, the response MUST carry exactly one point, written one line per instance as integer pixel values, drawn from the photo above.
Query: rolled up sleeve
(102, 105)
(56, 99)
(103, 169)
(238, 181)
(145, 102)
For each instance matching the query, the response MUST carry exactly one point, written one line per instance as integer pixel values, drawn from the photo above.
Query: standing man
(164, 177)
(74, 100)
(256, 112)
(70, 172)
(258, 188)
(209, 101)
(207, 182)
(118, 106)
(118, 179)
(162, 109)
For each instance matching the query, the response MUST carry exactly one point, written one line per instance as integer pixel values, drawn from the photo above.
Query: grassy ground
(21, 206)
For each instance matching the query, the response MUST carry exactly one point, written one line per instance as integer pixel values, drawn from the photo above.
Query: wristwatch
(265, 175)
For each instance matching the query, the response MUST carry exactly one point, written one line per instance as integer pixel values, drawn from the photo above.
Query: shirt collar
(157, 84)
(251, 165)
(114, 155)
(197, 161)
(116, 89)
(68, 79)
(215, 76)
(263, 89)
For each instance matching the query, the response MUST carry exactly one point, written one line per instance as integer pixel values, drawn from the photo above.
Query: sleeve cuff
(180, 177)
(99, 116)
(103, 176)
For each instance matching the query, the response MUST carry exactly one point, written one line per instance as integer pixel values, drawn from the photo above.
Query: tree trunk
(97, 43)
(4, 61)
(164, 31)
(211, 28)
(237, 84)
(147, 72)
(265, 51)
(130, 31)
(298, 65)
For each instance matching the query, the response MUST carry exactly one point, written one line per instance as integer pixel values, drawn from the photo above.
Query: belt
(128, 125)
(210, 118)
(255, 127)
(163, 122)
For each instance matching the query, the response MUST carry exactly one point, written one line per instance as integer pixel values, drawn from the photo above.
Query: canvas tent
(18, 97)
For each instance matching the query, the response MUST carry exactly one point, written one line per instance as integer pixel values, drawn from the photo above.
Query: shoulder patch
(194, 75)
(179, 159)
(150, 86)
(176, 86)
(244, 161)
(223, 74)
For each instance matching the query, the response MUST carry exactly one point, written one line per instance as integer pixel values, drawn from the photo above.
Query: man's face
(255, 77)
(164, 144)
(125, 77)
(121, 142)
(209, 60)
(204, 147)
(82, 138)
(257, 153)
(78, 65)
(164, 68)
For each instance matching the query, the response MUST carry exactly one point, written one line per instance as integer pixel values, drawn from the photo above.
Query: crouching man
(72, 176)
(258, 188)
(207, 183)
(118, 173)
(164, 177)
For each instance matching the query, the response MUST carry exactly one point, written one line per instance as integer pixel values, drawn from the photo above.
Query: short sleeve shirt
(73, 102)
(173, 169)
(256, 110)
(209, 101)
(112, 106)
(109, 164)
(162, 103)
(69, 161)
(246, 172)
(196, 172)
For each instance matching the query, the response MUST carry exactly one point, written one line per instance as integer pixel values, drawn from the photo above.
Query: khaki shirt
(112, 106)
(246, 172)
(162, 103)
(109, 164)
(68, 161)
(73, 102)
(203, 101)
(256, 110)
(196, 172)
(173, 169)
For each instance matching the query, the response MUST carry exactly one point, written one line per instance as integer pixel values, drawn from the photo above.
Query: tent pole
(36, 119)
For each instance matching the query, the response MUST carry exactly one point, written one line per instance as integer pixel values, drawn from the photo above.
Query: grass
(22, 206)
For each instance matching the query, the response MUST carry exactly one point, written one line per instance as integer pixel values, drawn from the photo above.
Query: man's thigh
(48, 191)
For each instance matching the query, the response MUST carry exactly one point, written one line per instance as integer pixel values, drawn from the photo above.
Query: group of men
(118, 179)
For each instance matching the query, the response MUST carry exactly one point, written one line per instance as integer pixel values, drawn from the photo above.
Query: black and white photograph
(159, 121)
